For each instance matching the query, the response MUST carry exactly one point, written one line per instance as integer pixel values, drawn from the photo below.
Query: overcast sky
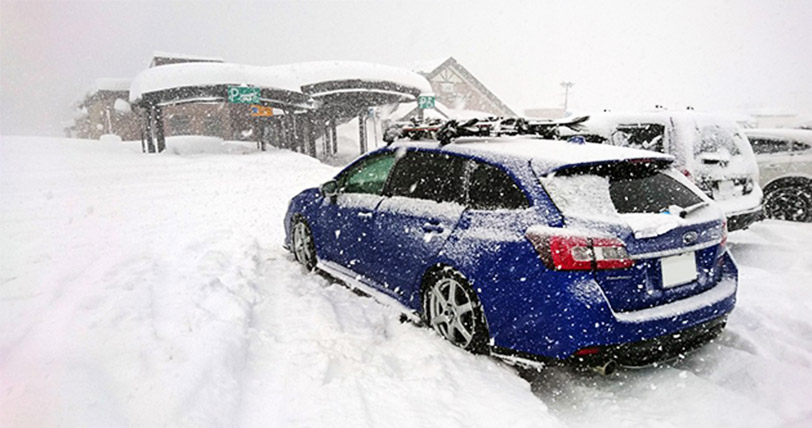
(712, 55)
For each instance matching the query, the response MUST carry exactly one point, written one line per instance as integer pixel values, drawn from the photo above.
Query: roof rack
(446, 132)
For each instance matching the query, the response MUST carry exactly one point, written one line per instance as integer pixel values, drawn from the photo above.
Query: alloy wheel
(451, 311)
(303, 246)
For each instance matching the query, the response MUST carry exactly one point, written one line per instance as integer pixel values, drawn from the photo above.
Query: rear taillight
(723, 242)
(580, 253)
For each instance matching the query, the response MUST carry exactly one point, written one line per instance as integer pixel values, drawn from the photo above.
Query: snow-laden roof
(426, 66)
(308, 73)
(289, 77)
(547, 155)
(209, 74)
(108, 84)
(162, 54)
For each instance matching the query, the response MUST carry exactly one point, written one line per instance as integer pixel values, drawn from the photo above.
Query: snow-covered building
(456, 88)
(103, 109)
(305, 101)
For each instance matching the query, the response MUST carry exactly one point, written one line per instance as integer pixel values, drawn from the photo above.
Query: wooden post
(310, 127)
(159, 128)
(334, 136)
(362, 133)
(149, 126)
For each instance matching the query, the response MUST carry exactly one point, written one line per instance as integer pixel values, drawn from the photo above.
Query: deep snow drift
(152, 290)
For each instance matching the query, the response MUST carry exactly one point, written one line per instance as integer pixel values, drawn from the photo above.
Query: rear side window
(427, 175)
(767, 145)
(607, 189)
(492, 189)
(798, 146)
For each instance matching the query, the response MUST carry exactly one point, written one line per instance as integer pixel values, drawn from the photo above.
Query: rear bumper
(661, 348)
(566, 323)
(743, 220)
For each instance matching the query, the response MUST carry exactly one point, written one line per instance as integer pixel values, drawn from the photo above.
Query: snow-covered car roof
(547, 155)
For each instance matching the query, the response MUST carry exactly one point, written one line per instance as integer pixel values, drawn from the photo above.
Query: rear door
(425, 201)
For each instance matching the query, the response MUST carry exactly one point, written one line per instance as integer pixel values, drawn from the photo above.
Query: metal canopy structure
(331, 96)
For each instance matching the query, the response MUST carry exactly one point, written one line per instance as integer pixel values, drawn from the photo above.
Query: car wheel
(452, 309)
(789, 202)
(304, 248)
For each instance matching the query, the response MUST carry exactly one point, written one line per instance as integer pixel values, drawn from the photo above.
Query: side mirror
(329, 189)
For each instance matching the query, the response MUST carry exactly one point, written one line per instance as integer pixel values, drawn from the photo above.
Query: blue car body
(533, 311)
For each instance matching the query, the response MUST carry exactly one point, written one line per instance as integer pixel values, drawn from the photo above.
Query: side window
(491, 188)
(367, 177)
(431, 176)
(798, 146)
(767, 145)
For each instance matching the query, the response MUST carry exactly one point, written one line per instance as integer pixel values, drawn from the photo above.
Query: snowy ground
(142, 290)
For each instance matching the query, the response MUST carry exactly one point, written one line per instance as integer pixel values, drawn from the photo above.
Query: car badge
(689, 238)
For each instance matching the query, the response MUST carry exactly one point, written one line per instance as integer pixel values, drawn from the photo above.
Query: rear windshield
(717, 137)
(618, 188)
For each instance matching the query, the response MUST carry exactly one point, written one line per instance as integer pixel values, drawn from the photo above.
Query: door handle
(365, 214)
(433, 227)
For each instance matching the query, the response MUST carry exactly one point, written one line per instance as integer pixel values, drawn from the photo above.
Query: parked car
(785, 162)
(711, 150)
(528, 249)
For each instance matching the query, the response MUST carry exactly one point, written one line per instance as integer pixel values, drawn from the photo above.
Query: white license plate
(724, 190)
(678, 269)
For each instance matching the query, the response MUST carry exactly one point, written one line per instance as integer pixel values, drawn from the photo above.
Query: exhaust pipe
(606, 369)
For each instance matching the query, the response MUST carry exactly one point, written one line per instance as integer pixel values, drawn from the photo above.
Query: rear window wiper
(683, 212)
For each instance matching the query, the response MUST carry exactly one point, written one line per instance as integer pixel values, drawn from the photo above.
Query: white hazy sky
(713, 55)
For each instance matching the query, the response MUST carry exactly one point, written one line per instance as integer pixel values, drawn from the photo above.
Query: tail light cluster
(580, 253)
(723, 242)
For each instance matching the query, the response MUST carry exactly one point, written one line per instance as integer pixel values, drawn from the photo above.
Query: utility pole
(566, 86)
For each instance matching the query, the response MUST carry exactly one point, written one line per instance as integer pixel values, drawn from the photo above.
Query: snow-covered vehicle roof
(547, 155)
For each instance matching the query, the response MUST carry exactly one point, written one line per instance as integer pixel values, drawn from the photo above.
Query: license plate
(678, 269)
(724, 190)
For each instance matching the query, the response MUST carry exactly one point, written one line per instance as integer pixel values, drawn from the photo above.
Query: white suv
(710, 150)
(785, 161)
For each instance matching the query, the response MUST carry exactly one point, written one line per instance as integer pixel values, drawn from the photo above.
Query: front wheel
(304, 248)
(453, 310)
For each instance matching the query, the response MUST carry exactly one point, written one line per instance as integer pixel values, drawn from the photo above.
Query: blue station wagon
(530, 250)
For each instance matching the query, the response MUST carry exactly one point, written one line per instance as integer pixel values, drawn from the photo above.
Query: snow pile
(152, 290)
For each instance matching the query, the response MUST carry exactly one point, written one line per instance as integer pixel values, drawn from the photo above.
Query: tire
(303, 245)
(789, 201)
(452, 309)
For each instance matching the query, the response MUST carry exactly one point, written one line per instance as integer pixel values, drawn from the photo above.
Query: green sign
(243, 95)
(425, 101)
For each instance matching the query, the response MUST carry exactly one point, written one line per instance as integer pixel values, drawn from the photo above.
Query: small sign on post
(425, 101)
(261, 111)
(243, 95)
